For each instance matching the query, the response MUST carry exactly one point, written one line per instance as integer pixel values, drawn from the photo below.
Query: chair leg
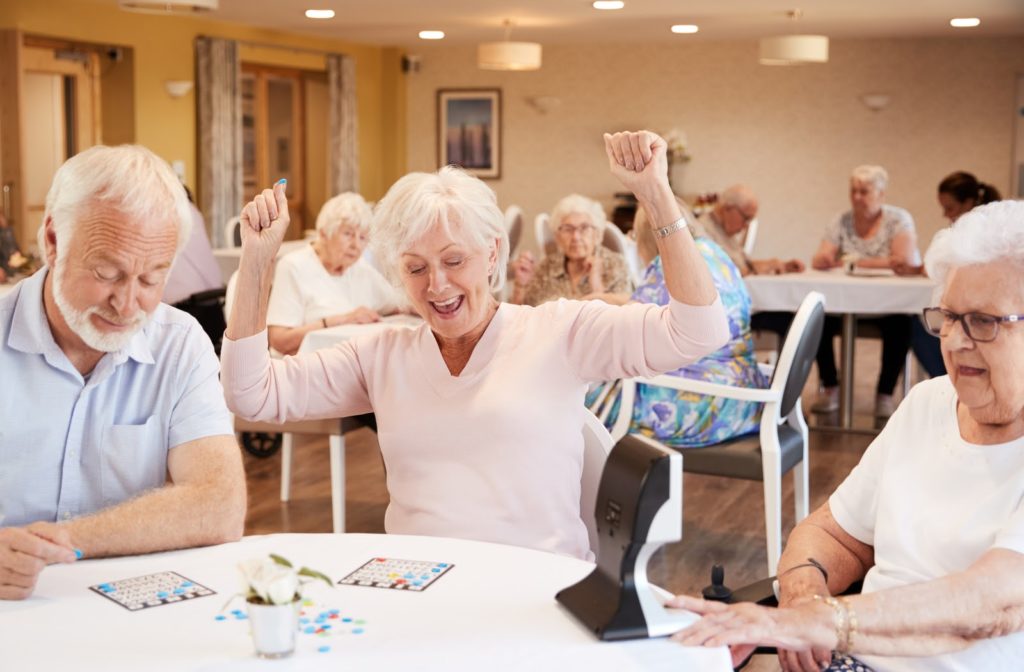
(337, 443)
(908, 373)
(801, 487)
(286, 466)
(773, 516)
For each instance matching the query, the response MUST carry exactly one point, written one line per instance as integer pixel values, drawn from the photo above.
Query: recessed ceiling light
(431, 34)
(319, 13)
(684, 28)
(608, 4)
(965, 23)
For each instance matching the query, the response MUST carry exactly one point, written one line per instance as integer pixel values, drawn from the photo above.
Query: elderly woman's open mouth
(448, 306)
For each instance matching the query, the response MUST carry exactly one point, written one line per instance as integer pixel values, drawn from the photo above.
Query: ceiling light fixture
(169, 6)
(508, 55)
(685, 29)
(608, 4)
(794, 49)
(431, 34)
(972, 22)
(319, 13)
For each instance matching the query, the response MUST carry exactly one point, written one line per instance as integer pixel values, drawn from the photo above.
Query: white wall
(793, 133)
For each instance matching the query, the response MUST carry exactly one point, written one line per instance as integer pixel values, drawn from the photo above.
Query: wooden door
(273, 136)
(53, 112)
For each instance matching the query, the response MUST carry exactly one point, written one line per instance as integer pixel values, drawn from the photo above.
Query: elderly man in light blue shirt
(114, 435)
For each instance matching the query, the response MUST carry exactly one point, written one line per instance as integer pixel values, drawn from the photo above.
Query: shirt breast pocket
(134, 460)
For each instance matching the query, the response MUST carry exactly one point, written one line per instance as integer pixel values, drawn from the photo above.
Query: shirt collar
(30, 330)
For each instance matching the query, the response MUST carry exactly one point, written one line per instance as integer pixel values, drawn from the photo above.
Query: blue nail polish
(282, 181)
(78, 554)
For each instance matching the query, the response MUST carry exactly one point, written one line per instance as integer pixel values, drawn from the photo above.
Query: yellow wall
(164, 49)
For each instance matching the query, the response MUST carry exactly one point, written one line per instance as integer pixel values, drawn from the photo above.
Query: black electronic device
(639, 508)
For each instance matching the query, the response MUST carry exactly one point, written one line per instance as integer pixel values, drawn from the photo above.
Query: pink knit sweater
(495, 453)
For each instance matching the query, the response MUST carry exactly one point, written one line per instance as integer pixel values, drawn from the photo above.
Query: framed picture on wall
(469, 130)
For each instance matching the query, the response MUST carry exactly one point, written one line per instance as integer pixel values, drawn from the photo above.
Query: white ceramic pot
(273, 628)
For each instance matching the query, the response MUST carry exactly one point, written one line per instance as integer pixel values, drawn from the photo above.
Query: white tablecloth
(494, 610)
(867, 295)
(325, 338)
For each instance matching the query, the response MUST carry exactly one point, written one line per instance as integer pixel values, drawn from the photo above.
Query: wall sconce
(543, 104)
(876, 102)
(176, 88)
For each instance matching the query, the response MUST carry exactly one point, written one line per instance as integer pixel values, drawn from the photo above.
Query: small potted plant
(273, 592)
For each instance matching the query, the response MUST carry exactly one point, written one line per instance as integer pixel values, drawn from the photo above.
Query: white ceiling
(397, 22)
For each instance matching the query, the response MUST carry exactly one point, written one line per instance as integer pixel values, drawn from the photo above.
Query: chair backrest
(614, 239)
(233, 232)
(799, 350)
(750, 237)
(513, 226)
(229, 295)
(545, 238)
(597, 443)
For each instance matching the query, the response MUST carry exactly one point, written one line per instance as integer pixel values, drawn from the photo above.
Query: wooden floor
(723, 518)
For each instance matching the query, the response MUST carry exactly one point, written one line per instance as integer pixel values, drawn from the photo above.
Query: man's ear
(50, 241)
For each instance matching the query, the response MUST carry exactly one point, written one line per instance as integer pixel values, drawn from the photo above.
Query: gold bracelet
(851, 623)
(841, 621)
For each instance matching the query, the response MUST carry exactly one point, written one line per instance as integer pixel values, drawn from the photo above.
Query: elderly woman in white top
(479, 410)
(580, 267)
(932, 518)
(329, 283)
(870, 235)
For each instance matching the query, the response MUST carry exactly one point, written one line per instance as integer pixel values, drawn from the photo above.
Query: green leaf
(313, 574)
(279, 560)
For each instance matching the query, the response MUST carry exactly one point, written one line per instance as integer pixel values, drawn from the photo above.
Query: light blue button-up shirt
(70, 446)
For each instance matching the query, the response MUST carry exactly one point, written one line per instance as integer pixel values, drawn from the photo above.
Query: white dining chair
(597, 443)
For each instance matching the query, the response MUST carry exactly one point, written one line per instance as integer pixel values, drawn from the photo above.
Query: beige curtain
(219, 92)
(343, 127)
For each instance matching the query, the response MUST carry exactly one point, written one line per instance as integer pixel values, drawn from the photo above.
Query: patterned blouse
(894, 222)
(551, 281)
(685, 419)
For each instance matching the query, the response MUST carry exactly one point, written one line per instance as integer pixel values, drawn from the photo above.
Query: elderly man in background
(329, 283)
(729, 217)
(115, 438)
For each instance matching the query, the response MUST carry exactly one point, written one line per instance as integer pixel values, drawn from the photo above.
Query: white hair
(129, 178)
(874, 175)
(347, 208)
(985, 234)
(738, 196)
(450, 198)
(574, 204)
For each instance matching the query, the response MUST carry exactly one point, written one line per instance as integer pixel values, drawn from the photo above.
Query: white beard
(79, 320)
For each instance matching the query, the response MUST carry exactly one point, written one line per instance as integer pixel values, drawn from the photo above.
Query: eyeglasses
(979, 327)
(568, 230)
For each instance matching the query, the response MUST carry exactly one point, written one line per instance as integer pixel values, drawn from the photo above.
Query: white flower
(272, 582)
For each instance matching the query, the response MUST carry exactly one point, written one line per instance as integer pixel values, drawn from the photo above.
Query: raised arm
(639, 161)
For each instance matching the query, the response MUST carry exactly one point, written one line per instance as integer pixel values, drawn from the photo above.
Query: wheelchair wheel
(261, 444)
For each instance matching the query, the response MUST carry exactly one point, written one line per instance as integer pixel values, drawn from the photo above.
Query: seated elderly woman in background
(328, 283)
(932, 519)
(959, 193)
(686, 419)
(479, 410)
(870, 235)
(580, 267)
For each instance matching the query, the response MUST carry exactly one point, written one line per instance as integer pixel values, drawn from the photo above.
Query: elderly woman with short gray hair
(580, 267)
(480, 410)
(328, 283)
(932, 519)
(871, 234)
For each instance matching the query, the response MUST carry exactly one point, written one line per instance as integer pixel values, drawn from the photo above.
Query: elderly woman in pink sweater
(480, 410)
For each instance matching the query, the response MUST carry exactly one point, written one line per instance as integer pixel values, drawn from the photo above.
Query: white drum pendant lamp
(508, 55)
(794, 49)
(169, 6)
